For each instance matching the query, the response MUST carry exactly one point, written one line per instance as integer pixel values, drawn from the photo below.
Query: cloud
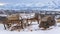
(2, 4)
(38, 3)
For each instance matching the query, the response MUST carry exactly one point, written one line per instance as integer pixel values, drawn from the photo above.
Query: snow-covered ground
(34, 28)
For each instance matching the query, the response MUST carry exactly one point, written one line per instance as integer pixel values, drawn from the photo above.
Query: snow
(34, 28)
(3, 15)
(29, 15)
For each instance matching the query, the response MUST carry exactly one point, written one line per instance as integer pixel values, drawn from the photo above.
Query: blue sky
(23, 1)
(30, 3)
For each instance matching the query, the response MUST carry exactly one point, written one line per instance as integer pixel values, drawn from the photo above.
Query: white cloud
(29, 4)
(1, 4)
(39, 4)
